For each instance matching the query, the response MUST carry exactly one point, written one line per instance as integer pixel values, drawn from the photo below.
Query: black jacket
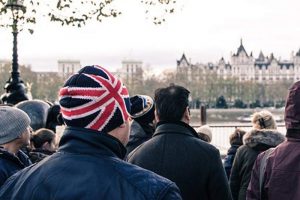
(36, 155)
(87, 166)
(10, 164)
(139, 133)
(255, 142)
(176, 152)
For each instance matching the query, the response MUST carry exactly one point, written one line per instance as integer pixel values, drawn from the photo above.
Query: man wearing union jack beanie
(89, 164)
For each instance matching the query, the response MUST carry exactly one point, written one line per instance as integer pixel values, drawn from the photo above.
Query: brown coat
(255, 142)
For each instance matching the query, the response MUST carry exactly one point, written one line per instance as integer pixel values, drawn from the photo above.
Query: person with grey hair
(14, 133)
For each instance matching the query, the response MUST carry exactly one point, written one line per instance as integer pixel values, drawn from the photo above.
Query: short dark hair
(236, 138)
(171, 102)
(41, 136)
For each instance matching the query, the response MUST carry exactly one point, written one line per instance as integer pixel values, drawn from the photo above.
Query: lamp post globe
(15, 88)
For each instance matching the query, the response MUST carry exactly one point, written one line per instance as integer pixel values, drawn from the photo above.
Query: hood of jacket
(267, 137)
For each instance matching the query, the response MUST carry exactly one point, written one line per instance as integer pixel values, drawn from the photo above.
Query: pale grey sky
(204, 30)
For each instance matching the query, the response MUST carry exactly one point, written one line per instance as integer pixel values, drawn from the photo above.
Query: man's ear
(187, 114)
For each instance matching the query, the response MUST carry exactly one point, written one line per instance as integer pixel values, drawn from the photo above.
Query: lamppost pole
(15, 75)
(15, 88)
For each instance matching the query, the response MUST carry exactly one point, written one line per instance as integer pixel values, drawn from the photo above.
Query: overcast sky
(204, 30)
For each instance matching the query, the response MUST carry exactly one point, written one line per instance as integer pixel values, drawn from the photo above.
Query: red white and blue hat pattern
(93, 98)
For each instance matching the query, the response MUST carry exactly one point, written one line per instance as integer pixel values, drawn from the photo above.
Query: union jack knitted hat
(94, 99)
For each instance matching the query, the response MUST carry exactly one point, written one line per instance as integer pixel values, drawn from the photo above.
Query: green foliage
(221, 102)
(238, 103)
(78, 13)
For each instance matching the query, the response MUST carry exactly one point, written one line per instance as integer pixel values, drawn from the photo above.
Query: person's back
(262, 137)
(281, 175)
(88, 165)
(235, 140)
(176, 152)
(281, 178)
(255, 142)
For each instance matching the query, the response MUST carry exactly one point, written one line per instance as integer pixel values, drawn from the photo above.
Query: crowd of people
(116, 146)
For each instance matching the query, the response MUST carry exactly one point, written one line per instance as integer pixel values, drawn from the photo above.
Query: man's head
(14, 126)
(171, 104)
(94, 99)
(292, 107)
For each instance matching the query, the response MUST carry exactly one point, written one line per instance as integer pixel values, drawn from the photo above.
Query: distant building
(245, 67)
(68, 67)
(132, 73)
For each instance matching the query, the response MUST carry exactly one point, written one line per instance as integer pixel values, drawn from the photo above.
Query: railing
(221, 132)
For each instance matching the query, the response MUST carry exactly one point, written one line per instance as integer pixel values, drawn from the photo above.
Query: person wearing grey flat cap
(14, 133)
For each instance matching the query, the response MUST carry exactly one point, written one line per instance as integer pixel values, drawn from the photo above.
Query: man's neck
(11, 148)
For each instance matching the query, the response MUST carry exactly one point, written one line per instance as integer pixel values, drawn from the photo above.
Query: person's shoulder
(145, 181)
(204, 146)
(243, 148)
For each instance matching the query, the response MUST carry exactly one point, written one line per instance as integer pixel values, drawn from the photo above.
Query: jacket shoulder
(147, 182)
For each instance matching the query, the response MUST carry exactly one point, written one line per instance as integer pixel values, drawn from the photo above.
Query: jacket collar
(178, 127)
(136, 130)
(20, 158)
(87, 141)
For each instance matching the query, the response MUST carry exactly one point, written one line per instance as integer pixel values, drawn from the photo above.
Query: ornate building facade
(244, 67)
(131, 73)
(68, 67)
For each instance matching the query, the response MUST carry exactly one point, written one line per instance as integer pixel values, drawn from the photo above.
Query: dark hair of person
(54, 117)
(236, 138)
(204, 137)
(41, 136)
(171, 102)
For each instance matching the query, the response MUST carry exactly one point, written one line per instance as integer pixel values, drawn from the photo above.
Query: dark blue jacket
(10, 164)
(228, 160)
(87, 166)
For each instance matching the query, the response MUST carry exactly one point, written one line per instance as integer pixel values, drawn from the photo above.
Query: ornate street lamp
(15, 88)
